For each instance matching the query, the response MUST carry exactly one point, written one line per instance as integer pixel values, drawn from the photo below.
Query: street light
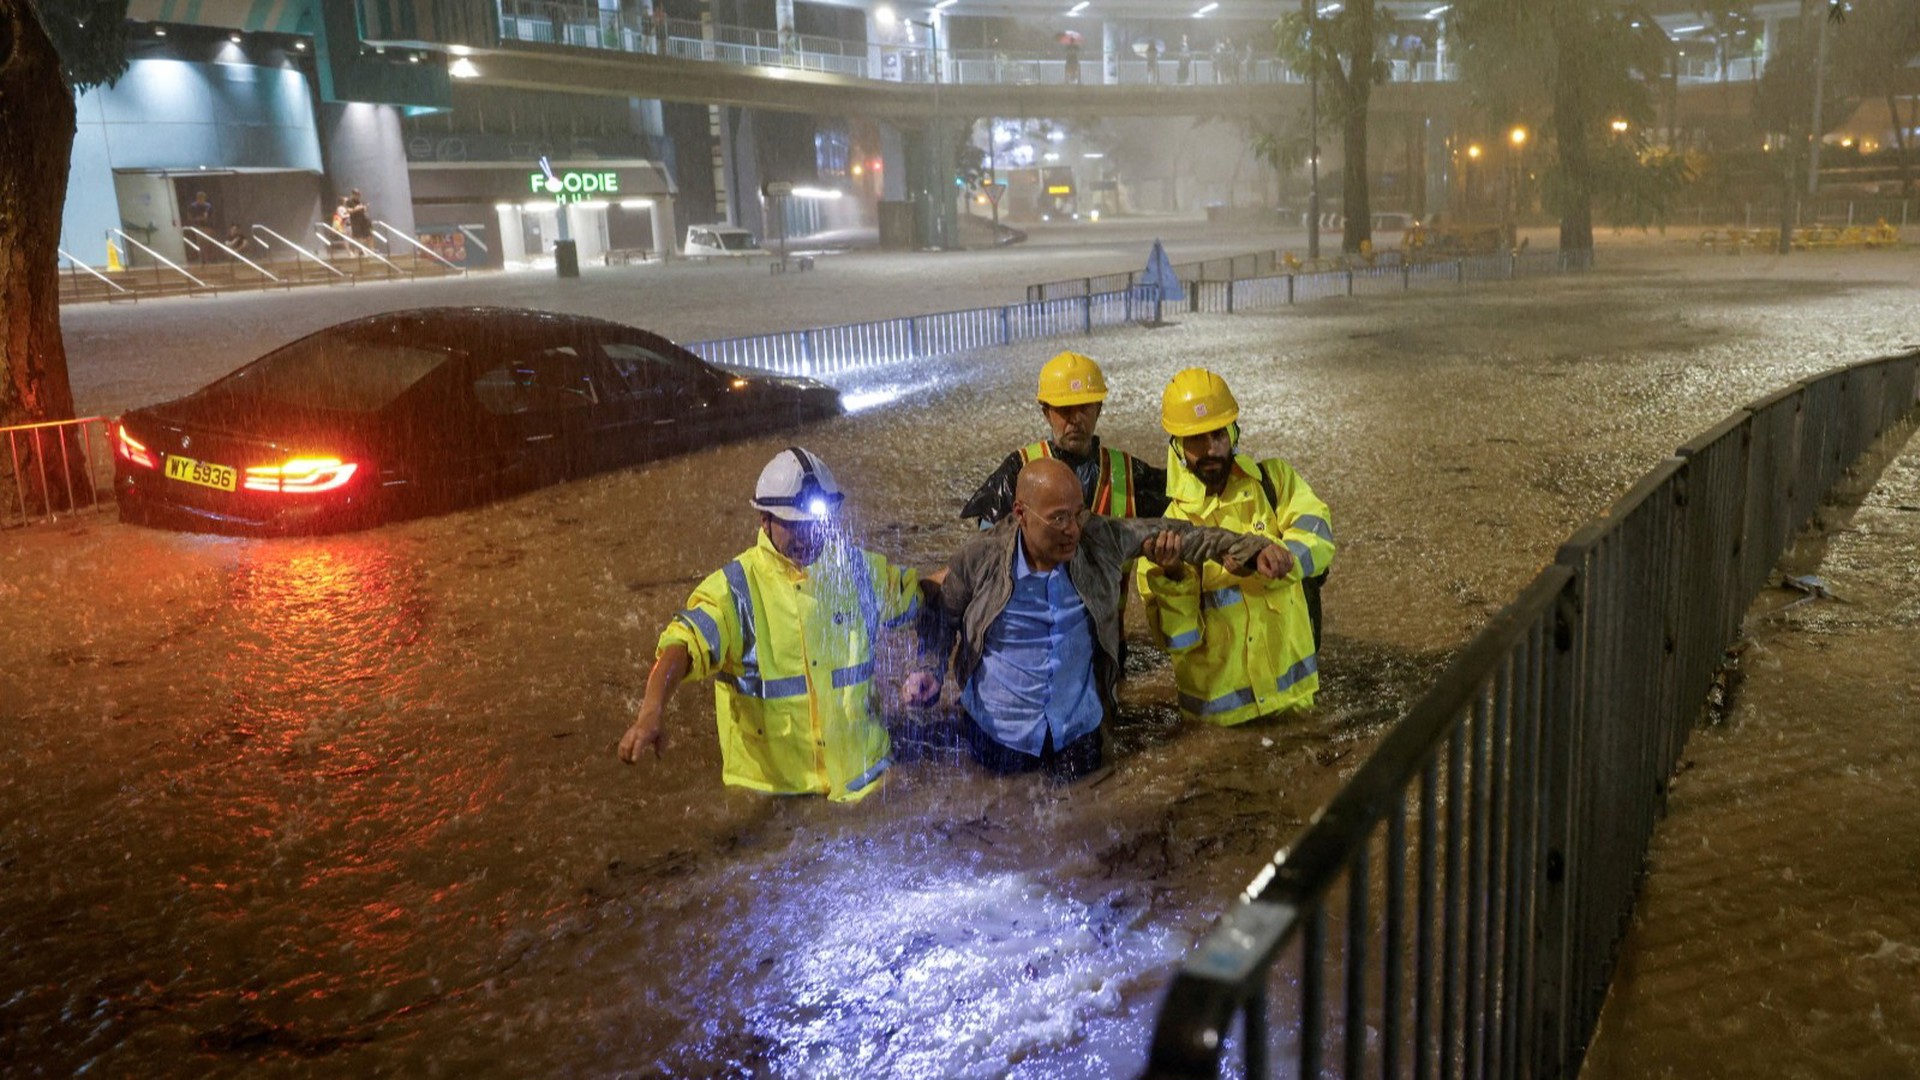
(1517, 138)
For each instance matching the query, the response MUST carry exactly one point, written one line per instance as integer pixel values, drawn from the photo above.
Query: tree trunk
(1354, 199)
(1900, 145)
(36, 145)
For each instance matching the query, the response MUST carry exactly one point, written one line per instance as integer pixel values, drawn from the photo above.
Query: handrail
(336, 271)
(323, 227)
(1511, 810)
(393, 232)
(109, 282)
(162, 259)
(270, 275)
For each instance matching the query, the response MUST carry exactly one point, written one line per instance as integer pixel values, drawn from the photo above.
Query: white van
(729, 241)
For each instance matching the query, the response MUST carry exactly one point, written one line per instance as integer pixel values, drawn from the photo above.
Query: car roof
(465, 322)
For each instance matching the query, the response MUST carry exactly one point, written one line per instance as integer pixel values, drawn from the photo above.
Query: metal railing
(1457, 908)
(300, 252)
(329, 233)
(74, 266)
(58, 467)
(1120, 300)
(161, 260)
(420, 248)
(270, 278)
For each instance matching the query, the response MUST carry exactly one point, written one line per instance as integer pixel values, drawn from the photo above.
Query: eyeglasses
(1065, 520)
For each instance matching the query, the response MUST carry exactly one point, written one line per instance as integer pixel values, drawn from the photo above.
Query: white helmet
(797, 486)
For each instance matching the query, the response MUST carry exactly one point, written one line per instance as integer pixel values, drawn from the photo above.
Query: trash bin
(566, 258)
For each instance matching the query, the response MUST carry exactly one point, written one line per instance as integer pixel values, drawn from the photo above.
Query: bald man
(1035, 604)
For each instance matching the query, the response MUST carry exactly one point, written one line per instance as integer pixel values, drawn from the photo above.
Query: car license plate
(204, 473)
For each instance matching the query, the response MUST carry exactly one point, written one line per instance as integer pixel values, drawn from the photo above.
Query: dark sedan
(422, 411)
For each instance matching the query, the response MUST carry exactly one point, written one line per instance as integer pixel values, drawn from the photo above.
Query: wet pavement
(351, 805)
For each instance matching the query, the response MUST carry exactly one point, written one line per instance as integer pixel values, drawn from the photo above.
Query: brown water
(351, 805)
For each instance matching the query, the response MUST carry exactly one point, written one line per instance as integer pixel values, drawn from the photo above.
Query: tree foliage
(91, 38)
(1568, 69)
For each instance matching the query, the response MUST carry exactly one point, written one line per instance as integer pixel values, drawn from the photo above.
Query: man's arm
(669, 671)
(993, 500)
(1197, 544)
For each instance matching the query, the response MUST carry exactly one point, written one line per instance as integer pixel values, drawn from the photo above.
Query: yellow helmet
(1197, 401)
(1071, 379)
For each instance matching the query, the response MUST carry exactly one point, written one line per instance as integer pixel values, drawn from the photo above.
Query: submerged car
(416, 412)
(723, 241)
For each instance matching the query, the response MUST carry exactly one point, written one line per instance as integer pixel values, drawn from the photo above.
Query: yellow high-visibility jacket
(790, 650)
(1242, 646)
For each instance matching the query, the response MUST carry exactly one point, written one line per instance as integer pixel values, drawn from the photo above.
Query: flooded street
(351, 806)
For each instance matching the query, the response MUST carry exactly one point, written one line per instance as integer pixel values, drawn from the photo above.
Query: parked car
(422, 411)
(708, 241)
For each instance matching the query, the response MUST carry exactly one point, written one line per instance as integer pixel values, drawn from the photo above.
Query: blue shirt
(1036, 671)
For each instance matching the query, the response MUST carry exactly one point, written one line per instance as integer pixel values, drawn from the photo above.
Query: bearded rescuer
(1242, 647)
(1112, 482)
(787, 631)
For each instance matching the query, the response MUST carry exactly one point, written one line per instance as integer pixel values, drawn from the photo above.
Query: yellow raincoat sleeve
(1305, 522)
(709, 626)
(896, 589)
(1173, 607)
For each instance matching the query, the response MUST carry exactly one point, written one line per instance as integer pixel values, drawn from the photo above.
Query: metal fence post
(1230, 284)
(1547, 1031)
(1349, 281)
(1289, 290)
(1006, 325)
(806, 351)
(1086, 312)
(1406, 276)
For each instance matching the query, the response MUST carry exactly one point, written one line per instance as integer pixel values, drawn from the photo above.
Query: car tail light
(301, 475)
(132, 449)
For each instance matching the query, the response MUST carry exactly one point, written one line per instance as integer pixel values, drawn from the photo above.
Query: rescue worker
(1035, 603)
(786, 631)
(1241, 647)
(1114, 483)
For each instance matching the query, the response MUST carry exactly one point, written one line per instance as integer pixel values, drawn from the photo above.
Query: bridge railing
(1457, 908)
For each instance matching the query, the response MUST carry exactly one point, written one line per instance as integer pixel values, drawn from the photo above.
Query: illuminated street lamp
(1619, 127)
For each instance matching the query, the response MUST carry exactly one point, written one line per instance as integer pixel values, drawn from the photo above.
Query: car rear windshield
(339, 372)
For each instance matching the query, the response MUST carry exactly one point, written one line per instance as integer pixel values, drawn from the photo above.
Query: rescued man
(1072, 392)
(787, 632)
(1035, 603)
(1241, 648)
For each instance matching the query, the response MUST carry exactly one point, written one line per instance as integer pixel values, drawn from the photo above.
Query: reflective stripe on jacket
(1113, 492)
(790, 650)
(1242, 646)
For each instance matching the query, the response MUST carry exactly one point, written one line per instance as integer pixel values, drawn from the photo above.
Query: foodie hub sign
(573, 185)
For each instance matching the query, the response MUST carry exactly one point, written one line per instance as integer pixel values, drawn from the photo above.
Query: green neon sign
(573, 185)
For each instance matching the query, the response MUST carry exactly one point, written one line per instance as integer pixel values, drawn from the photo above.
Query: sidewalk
(1778, 933)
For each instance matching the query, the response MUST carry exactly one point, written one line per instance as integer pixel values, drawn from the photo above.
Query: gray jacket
(980, 582)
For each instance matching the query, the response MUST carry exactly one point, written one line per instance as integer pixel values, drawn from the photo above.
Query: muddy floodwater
(351, 806)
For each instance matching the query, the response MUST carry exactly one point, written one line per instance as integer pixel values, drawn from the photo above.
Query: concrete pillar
(1112, 41)
(362, 147)
(513, 238)
(665, 230)
(784, 32)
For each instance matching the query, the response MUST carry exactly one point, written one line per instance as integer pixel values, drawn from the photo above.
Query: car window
(542, 380)
(737, 241)
(332, 371)
(653, 375)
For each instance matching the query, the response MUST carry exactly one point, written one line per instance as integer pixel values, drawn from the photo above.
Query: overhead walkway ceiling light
(1079, 7)
(462, 68)
(944, 5)
(1212, 7)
